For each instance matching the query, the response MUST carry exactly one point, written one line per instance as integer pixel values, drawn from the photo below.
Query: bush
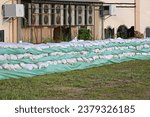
(47, 40)
(84, 34)
(138, 34)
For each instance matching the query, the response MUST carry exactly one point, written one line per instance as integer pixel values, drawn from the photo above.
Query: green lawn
(128, 80)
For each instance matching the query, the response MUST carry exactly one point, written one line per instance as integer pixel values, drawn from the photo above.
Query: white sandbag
(64, 61)
(95, 57)
(57, 53)
(71, 61)
(91, 59)
(74, 60)
(17, 67)
(45, 64)
(83, 52)
(80, 59)
(30, 66)
(146, 46)
(59, 62)
(42, 65)
(145, 54)
(7, 56)
(86, 60)
(19, 56)
(34, 66)
(115, 56)
(6, 66)
(138, 47)
(13, 57)
(45, 55)
(110, 57)
(33, 57)
(55, 62)
(2, 58)
(12, 67)
(97, 50)
(26, 66)
(49, 62)
(27, 55)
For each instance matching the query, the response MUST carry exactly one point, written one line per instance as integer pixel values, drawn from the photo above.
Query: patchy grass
(128, 80)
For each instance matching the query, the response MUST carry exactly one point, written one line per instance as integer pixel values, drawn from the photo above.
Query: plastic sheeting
(27, 60)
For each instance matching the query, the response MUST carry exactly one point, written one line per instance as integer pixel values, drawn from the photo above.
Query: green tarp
(82, 55)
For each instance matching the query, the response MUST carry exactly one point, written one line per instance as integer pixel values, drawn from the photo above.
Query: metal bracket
(5, 20)
(107, 17)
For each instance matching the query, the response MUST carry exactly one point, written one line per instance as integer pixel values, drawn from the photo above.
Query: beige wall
(138, 17)
(124, 16)
(98, 25)
(118, 1)
(36, 34)
(144, 15)
(9, 27)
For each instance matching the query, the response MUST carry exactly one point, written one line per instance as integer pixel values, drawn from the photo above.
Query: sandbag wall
(27, 60)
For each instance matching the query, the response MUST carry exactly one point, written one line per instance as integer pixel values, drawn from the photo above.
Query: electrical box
(112, 10)
(108, 10)
(13, 10)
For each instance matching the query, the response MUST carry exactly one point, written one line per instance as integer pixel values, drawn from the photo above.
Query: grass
(128, 80)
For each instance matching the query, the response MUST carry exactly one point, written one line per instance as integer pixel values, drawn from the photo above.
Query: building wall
(36, 34)
(97, 28)
(144, 15)
(9, 27)
(30, 33)
(124, 16)
(138, 17)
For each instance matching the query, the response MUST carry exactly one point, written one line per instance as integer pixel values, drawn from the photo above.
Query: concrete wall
(36, 34)
(124, 16)
(9, 27)
(139, 17)
(144, 15)
(118, 1)
(97, 28)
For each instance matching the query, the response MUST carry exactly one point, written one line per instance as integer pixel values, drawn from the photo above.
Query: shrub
(47, 40)
(138, 34)
(84, 34)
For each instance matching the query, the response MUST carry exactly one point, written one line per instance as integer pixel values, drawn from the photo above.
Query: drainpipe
(18, 25)
(135, 14)
(13, 26)
(102, 36)
(70, 21)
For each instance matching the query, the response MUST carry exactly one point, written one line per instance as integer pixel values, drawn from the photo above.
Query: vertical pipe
(19, 26)
(13, 25)
(102, 22)
(94, 23)
(70, 20)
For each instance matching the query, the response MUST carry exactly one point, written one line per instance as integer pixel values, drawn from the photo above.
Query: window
(122, 32)
(109, 33)
(147, 32)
